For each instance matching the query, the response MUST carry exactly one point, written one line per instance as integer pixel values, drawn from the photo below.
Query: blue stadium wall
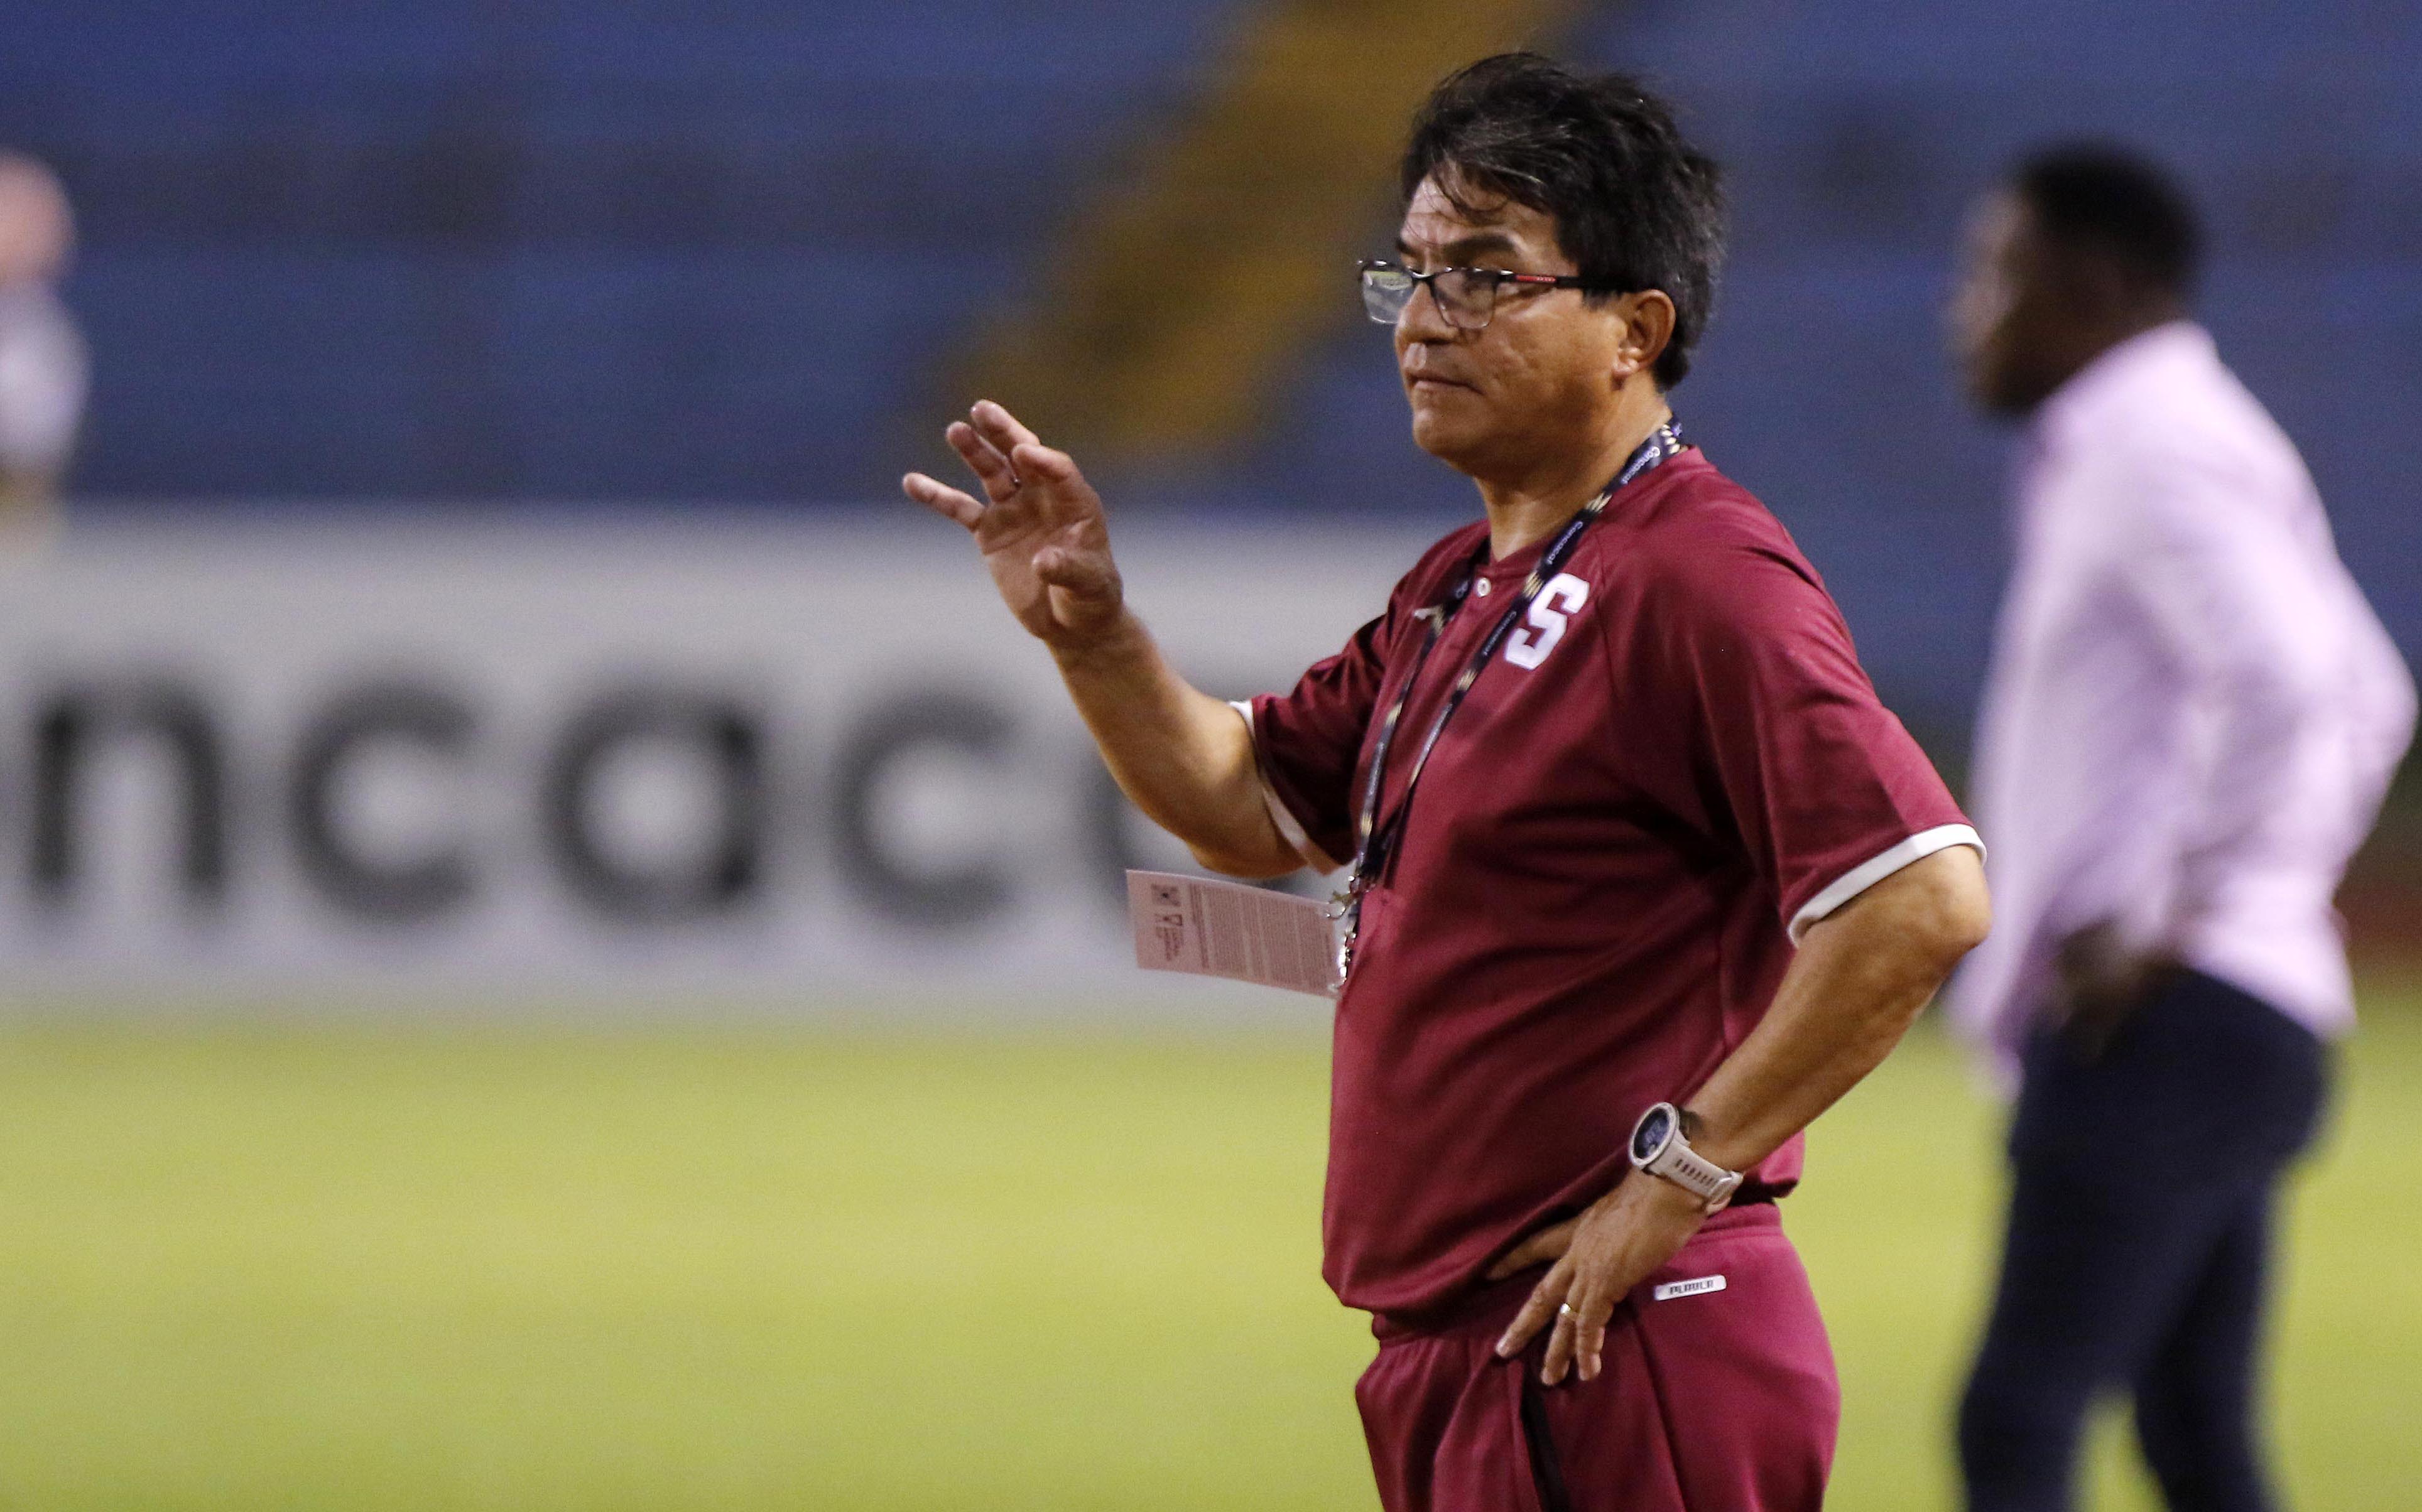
(725, 252)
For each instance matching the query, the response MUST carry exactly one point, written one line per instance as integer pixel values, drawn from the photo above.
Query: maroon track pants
(1714, 1398)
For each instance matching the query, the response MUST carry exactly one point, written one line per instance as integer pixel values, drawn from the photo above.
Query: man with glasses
(1644, 876)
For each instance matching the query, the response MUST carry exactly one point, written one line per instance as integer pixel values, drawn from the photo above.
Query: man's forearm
(1183, 756)
(1860, 979)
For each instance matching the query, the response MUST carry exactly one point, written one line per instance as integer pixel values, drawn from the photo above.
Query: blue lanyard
(1376, 841)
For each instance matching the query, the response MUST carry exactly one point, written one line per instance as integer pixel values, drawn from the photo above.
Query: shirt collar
(2147, 358)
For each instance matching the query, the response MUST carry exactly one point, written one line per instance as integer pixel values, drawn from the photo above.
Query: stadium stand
(747, 254)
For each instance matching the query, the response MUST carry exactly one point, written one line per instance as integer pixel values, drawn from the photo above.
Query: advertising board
(648, 756)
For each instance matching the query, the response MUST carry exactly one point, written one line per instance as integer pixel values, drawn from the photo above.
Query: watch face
(1651, 1135)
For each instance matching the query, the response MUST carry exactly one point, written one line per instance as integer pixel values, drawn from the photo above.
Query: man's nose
(1423, 318)
(1968, 314)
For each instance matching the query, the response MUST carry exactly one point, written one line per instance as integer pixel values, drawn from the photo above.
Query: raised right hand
(1039, 526)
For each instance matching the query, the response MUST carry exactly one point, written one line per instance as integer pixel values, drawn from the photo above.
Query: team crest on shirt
(1543, 625)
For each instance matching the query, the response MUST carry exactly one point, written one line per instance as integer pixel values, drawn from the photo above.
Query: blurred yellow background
(384, 1266)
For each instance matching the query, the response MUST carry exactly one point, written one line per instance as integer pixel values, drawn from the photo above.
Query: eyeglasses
(1467, 297)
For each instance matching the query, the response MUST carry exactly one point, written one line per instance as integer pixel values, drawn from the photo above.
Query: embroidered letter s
(1562, 598)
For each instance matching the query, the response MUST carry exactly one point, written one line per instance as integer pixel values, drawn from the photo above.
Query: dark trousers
(2144, 1176)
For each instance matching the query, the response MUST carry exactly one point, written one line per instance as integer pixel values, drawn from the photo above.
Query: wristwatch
(1658, 1147)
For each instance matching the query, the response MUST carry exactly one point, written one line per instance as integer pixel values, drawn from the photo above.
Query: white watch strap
(1695, 1174)
(1676, 1161)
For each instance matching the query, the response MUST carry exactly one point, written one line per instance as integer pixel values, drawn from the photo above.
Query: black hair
(2111, 202)
(1636, 207)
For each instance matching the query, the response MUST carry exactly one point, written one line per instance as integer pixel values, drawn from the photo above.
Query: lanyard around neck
(1375, 841)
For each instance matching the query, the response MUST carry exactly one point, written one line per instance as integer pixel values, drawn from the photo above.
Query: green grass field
(356, 1267)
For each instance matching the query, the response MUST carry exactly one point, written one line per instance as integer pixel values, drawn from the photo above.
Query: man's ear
(1647, 329)
(2093, 290)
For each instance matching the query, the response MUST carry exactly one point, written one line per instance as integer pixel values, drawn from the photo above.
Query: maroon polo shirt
(1589, 909)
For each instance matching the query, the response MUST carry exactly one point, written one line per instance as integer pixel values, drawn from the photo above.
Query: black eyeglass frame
(1499, 278)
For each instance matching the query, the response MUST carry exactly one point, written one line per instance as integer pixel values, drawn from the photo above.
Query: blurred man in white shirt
(42, 362)
(2192, 718)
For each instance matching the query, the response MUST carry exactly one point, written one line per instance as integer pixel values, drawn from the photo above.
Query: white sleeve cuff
(1867, 873)
(1290, 827)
